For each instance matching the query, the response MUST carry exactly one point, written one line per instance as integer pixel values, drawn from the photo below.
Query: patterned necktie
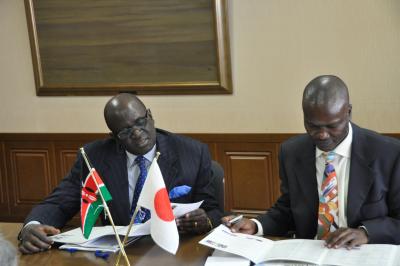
(328, 200)
(142, 214)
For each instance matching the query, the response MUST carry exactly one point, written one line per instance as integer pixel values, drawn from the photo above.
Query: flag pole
(133, 217)
(127, 233)
(105, 205)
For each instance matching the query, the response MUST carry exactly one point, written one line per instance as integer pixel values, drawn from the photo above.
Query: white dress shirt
(341, 162)
(134, 171)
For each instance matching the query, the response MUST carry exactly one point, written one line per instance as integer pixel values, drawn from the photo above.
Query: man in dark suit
(366, 187)
(184, 162)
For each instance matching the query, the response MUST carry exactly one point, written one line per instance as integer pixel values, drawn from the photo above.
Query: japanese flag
(154, 197)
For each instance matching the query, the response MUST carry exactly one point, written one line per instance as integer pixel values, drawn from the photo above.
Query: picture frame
(148, 47)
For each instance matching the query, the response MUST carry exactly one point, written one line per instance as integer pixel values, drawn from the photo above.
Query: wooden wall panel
(66, 148)
(30, 168)
(250, 175)
(31, 165)
(3, 184)
(65, 157)
(251, 178)
(32, 175)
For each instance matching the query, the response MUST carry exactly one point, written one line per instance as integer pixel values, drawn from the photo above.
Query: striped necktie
(142, 214)
(328, 199)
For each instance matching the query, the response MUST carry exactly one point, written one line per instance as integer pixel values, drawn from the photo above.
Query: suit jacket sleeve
(374, 186)
(385, 228)
(63, 203)
(205, 190)
(278, 220)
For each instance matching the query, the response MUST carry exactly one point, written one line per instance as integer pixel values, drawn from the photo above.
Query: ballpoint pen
(235, 219)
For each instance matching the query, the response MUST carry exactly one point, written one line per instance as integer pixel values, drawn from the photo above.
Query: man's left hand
(194, 222)
(347, 237)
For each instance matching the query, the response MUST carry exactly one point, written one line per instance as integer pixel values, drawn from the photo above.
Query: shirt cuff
(32, 222)
(23, 228)
(260, 230)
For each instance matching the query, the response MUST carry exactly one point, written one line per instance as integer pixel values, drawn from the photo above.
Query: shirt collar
(149, 156)
(343, 149)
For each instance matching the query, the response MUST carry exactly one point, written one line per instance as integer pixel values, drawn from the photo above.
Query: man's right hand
(34, 238)
(244, 226)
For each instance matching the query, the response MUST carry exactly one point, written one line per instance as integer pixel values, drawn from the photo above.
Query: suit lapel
(306, 177)
(361, 175)
(168, 159)
(116, 174)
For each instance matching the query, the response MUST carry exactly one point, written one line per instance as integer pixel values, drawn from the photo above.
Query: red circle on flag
(162, 206)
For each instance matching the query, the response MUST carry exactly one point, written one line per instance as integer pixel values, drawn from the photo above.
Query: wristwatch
(365, 230)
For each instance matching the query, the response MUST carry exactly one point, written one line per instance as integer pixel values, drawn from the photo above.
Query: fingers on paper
(346, 237)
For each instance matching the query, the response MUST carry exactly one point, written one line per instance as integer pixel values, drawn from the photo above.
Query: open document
(259, 249)
(101, 238)
(106, 243)
(222, 258)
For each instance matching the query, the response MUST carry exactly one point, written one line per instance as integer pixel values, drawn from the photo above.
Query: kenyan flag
(91, 204)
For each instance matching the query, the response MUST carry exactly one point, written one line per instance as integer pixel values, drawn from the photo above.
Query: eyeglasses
(141, 122)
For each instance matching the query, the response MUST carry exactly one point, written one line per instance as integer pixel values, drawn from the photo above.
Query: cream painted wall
(277, 46)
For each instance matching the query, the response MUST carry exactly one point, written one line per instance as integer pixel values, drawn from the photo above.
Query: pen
(101, 254)
(72, 250)
(235, 219)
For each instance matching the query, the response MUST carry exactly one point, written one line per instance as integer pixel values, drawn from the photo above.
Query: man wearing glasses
(185, 164)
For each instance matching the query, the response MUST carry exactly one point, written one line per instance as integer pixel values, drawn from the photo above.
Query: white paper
(77, 247)
(136, 230)
(311, 251)
(275, 263)
(260, 250)
(248, 246)
(220, 253)
(366, 255)
(221, 258)
(105, 243)
(180, 209)
(75, 236)
(226, 261)
(101, 237)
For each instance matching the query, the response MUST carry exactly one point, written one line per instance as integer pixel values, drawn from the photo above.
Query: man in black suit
(184, 162)
(367, 167)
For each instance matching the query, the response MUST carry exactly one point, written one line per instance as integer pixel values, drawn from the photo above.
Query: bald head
(327, 111)
(121, 105)
(326, 91)
(131, 123)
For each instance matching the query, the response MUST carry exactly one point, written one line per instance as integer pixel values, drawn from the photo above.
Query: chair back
(217, 175)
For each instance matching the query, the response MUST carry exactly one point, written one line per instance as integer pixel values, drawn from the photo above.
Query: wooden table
(142, 252)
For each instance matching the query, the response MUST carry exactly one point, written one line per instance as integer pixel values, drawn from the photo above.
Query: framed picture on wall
(102, 47)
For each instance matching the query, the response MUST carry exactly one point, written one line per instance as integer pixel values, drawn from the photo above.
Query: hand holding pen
(239, 224)
(234, 220)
